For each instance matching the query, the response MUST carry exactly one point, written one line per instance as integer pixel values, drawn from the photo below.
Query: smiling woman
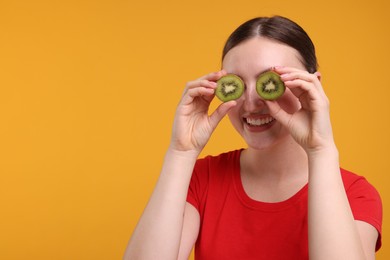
(88, 91)
(285, 189)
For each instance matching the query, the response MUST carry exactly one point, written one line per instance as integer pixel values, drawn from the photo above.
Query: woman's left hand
(310, 126)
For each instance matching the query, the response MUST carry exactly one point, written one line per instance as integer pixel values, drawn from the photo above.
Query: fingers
(291, 74)
(193, 124)
(220, 112)
(214, 76)
(204, 83)
(200, 91)
(302, 83)
(207, 81)
(203, 86)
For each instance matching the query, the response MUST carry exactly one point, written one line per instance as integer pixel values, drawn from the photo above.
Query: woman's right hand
(193, 125)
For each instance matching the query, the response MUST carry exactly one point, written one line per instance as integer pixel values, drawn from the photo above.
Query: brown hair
(280, 29)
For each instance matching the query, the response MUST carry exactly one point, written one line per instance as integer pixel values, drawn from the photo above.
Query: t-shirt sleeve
(198, 185)
(366, 204)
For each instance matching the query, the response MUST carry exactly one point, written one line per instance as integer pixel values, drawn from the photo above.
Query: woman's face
(250, 117)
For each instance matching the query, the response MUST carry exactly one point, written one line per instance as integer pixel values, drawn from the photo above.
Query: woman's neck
(286, 158)
(276, 173)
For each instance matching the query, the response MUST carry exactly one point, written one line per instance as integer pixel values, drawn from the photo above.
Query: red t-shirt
(234, 226)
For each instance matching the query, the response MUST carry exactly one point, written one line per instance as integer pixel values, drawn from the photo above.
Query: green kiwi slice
(269, 86)
(229, 87)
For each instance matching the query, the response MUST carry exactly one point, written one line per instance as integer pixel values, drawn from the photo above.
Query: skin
(300, 135)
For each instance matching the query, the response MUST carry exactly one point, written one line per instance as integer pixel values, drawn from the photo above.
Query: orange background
(88, 91)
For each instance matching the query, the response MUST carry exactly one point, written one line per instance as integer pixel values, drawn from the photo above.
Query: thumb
(220, 112)
(278, 113)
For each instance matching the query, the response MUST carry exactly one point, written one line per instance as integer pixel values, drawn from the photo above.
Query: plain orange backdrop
(88, 91)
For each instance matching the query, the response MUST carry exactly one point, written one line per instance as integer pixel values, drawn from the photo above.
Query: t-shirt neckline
(260, 205)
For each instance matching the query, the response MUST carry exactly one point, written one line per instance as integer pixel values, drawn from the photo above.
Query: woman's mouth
(259, 123)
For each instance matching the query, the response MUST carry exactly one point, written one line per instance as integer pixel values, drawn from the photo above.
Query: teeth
(259, 121)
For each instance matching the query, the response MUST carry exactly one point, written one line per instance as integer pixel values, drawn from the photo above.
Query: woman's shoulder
(362, 195)
(351, 180)
(364, 199)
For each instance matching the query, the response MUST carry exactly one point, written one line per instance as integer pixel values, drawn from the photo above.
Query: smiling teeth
(260, 121)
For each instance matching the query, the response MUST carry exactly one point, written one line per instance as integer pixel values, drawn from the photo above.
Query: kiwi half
(229, 87)
(269, 86)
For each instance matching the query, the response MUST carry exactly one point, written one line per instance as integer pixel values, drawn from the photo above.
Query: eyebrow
(264, 71)
(257, 75)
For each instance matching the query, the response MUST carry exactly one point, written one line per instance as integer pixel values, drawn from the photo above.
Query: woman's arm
(333, 232)
(190, 231)
(158, 233)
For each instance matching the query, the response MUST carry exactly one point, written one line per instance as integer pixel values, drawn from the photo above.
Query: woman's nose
(252, 100)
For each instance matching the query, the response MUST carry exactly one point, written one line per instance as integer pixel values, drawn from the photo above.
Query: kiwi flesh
(269, 86)
(229, 87)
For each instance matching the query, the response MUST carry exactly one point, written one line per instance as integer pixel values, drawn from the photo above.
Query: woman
(283, 197)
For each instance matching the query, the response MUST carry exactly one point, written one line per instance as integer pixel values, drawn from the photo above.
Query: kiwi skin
(235, 85)
(272, 80)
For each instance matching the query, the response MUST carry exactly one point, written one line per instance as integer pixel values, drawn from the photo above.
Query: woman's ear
(318, 74)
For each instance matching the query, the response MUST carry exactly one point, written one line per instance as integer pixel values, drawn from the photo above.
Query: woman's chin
(265, 140)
